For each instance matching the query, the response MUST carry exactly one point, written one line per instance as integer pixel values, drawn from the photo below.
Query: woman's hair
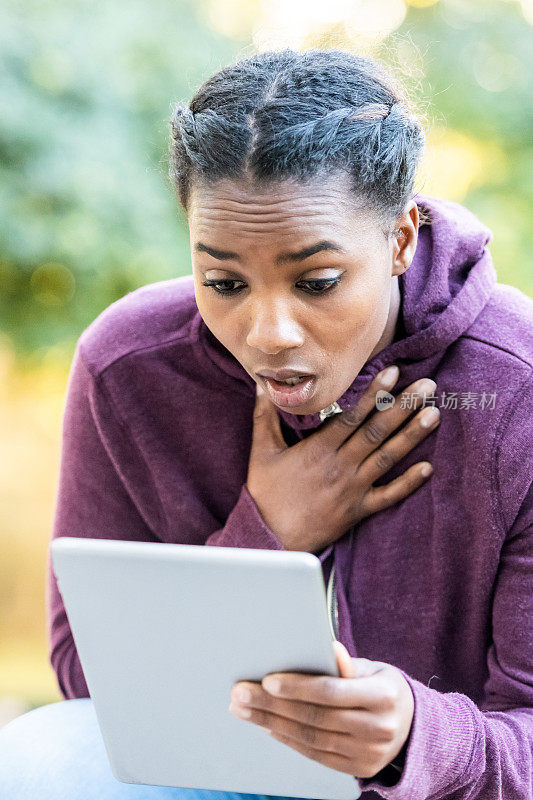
(300, 114)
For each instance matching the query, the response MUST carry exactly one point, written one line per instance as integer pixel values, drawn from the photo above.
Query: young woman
(322, 280)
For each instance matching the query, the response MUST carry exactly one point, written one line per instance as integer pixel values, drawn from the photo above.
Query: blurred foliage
(86, 212)
(86, 215)
(477, 72)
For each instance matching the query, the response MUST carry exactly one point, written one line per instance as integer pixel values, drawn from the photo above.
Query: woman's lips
(282, 394)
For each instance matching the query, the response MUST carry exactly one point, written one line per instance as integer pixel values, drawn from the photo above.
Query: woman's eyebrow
(298, 255)
(305, 252)
(222, 255)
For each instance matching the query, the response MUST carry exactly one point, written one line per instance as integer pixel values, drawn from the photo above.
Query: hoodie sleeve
(245, 527)
(95, 499)
(458, 750)
(91, 502)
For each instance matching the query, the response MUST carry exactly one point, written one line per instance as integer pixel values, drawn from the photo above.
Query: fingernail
(243, 695)
(272, 685)
(426, 470)
(428, 416)
(428, 386)
(240, 711)
(389, 376)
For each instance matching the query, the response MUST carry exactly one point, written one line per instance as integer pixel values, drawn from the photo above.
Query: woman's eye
(216, 283)
(321, 285)
(317, 286)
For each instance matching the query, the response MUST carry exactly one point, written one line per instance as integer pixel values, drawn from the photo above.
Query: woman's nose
(272, 330)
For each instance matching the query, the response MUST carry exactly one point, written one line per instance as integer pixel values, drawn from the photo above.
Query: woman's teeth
(293, 381)
(291, 392)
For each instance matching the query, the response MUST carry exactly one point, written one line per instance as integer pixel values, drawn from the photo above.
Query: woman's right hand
(310, 494)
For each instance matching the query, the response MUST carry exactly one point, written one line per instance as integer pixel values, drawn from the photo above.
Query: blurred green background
(87, 213)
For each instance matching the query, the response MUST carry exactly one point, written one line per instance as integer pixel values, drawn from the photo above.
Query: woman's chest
(418, 584)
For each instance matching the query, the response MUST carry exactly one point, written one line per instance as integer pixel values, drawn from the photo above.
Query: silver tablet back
(163, 632)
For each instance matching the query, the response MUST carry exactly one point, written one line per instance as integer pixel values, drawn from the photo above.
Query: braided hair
(300, 114)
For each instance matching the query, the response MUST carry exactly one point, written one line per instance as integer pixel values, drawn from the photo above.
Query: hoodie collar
(444, 289)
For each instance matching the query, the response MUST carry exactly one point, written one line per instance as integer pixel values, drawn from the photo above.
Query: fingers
(336, 430)
(372, 433)
(328, 759)
(381, 460)
(364, 692)
(380, 497)
(311, 741)
(267, 437)
(294, 715)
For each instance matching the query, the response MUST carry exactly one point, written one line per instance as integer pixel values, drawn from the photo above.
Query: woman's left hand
(356, 723)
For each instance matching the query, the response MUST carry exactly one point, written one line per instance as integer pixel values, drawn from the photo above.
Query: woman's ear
(405, 239)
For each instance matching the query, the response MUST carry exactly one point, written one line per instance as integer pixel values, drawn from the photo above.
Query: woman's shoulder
(492, 363)
(494, 355)
(153, 315)
(506, 326)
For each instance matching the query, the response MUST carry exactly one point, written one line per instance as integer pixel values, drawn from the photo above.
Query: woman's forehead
(319, 207)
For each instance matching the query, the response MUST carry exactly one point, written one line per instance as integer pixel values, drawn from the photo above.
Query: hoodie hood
(446, 286)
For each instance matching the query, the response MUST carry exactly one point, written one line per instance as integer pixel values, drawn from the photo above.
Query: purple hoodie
(156, 440)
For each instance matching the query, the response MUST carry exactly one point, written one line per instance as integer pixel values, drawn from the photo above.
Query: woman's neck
(394, 328)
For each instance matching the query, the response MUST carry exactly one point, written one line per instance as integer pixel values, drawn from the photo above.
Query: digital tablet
(163, 631)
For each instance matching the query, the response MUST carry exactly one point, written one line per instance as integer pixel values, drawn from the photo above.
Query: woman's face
(301, 277)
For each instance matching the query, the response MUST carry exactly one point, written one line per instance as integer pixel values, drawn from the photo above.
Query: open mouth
(289, 381)
(292, 391)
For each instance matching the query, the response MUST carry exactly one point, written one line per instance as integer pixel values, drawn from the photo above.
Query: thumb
(266, 433)
(344, 660)
(364, 667)
(355, 667)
